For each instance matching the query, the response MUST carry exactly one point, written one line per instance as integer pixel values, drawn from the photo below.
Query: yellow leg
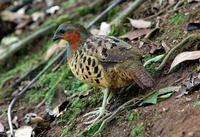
(100, 111)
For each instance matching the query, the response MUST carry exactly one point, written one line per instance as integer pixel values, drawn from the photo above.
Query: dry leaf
(1, 128)
(104, 28)
(9, 40)
(193, 26)
(171, 2)
(55, 48)
(166, 48)
(184, 56)
(13, 17)
(24, 131)
(94, 31)
(131, 35)
(140, 24)
(38, 16)
(190, 84)
(52, 10)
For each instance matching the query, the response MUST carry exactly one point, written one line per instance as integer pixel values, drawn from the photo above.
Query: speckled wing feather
(109, 49)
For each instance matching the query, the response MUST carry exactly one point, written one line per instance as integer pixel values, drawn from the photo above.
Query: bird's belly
(93, 76)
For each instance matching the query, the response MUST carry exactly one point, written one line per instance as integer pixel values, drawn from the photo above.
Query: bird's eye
(62, 31)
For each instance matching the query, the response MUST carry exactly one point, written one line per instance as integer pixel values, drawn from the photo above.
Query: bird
(103, 62)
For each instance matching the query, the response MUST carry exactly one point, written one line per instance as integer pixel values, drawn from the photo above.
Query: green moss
(138, 131)
(132, 116)
(90, 132)
(112, 13)
(176, 33)
(21, 67)
(65, 132)
(33, 96)
(67, 3)
(178, 18)
(118, 31)
(69, 116)
(78, 103)
(83, 10)
(56, 20)
(95, 99)
(3, 112)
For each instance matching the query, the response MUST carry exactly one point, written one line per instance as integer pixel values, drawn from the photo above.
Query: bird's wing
(109, 49)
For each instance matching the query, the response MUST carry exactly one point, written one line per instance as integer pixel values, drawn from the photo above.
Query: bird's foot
(98, 113)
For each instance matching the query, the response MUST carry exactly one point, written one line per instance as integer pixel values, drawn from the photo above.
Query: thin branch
(122, 15)
(102, 14)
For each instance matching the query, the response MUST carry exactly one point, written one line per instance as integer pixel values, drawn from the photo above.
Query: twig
(160, 12)
(123, 107)
(122, 15)
(178, 48)
(112, 5)
(25, 89)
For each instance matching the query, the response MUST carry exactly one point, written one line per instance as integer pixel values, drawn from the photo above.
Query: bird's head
(73, 33)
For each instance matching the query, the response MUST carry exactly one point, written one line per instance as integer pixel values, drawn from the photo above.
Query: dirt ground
(170, 118)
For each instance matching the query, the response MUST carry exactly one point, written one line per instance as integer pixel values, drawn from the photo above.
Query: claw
(99, 112)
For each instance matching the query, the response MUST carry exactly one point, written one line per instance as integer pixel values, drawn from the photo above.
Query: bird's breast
(88, 69)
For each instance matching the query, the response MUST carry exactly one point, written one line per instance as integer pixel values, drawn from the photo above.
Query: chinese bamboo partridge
(102, 61)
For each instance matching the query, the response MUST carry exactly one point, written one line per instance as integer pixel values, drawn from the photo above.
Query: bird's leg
(109, 98)
(100, 111)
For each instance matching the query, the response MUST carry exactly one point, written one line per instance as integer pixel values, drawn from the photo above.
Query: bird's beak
(56, 37)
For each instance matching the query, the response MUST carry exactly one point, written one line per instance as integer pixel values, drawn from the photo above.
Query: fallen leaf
(53, 10)
(154, 48)
(1, 128)
(104, 29)
(38, 16)
(151, 99)
(190, 84)
(166, 48)
(54, 49)
(196, 104)
(24, 131)
(161, 94)
(131, 35)
(154, 59)
(14, 17)
(94, 31)
(184, 56)
(9, 40)
(193, 26)
(139, 24)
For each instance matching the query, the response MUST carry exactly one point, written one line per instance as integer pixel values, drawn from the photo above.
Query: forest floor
(172, 117)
